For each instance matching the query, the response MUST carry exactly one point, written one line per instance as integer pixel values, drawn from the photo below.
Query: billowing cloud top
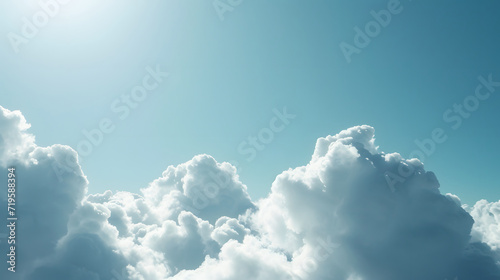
(352, 213)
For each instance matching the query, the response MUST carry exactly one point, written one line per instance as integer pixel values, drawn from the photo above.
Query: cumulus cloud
(203, 186)
(14, 141)
(338, 217)
(487, 225)
(412, 233)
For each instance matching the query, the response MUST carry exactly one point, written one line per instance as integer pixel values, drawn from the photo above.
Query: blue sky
(309, 100)
(227, 76)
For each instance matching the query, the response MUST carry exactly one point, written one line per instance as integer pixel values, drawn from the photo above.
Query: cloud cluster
(334, 218)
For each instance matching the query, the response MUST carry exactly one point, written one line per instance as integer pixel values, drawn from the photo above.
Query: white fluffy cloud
(335, 218)
(14, 141)
(343, 195)
(487, 223)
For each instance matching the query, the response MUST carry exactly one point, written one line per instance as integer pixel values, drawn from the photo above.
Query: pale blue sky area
(227, 76)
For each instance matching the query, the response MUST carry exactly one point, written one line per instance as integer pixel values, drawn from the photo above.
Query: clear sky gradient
(228, 76)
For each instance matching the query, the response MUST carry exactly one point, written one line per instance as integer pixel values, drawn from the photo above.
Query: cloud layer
(335, 218)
